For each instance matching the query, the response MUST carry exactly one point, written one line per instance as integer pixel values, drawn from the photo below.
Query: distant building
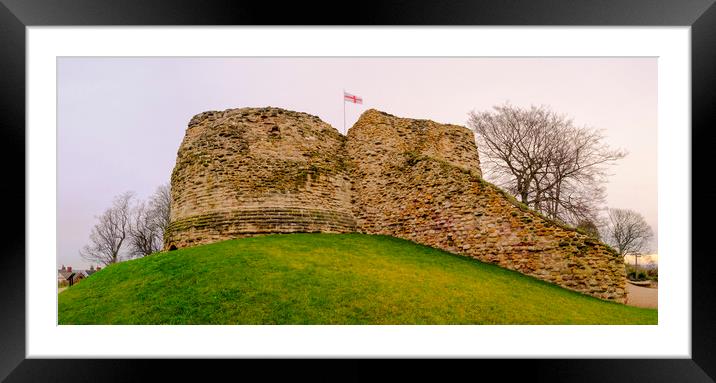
(68, 277)
(92, 270)
(63, 276)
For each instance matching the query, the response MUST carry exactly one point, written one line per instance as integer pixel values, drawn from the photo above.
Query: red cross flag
(352, 98)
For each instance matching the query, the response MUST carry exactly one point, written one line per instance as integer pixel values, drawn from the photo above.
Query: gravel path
(642, 296)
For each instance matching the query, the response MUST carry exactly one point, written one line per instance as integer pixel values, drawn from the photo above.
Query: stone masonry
(250, 171)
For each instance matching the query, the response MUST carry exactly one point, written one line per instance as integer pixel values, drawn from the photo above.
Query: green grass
(326, 279)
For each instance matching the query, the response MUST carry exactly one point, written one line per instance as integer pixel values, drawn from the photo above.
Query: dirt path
(642, 296)
(61, 289)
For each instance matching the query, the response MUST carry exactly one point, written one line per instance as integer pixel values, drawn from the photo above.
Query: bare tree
(628, 232)
(544, 160)
(145, 235)
(109, 234)
(149, 223)
(160, 204)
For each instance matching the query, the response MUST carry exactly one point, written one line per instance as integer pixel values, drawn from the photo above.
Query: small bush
(634, 276)
(411, 158)
(652, 274)
(642, 274)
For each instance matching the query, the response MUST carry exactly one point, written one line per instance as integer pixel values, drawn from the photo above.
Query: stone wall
(249, 171)
(408, 188)
(444, 203)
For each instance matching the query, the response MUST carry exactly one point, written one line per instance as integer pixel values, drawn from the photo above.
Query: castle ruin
(250, 171)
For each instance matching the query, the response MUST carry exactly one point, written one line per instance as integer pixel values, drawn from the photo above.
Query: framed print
(242, 85)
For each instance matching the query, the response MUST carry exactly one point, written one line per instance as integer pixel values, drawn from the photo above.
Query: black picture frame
(700, 15)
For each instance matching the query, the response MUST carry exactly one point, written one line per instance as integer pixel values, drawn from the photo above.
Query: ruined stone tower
(251, 171)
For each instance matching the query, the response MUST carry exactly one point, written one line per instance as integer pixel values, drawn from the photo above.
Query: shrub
(652, 274)
(634, 276)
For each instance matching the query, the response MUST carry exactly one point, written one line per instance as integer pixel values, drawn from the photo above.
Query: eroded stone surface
(251, 171)
(258, 170)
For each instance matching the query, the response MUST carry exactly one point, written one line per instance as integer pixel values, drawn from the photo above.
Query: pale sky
(121, 120)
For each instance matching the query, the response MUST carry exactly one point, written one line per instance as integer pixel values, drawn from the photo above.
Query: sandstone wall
(248, 171)
(406, 189)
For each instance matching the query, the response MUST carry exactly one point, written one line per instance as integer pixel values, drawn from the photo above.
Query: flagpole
(344, 111)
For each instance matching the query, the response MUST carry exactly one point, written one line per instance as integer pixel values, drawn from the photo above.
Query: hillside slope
(326, 279)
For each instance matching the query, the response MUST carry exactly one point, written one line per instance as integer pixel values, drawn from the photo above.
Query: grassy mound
(326, 279)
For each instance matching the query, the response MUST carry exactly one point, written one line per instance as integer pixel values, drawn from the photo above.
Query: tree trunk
(523, 196)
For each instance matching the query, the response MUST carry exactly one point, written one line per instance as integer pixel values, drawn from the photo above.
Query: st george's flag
(352, 98)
